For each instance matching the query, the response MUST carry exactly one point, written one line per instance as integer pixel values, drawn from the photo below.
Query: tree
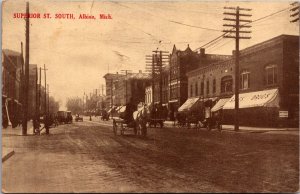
(74, 105)
(53, 105)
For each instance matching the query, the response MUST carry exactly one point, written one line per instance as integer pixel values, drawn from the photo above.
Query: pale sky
(78, 52)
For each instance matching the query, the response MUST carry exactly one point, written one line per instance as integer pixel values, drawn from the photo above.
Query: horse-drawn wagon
(198, 112)
(135, 122)
(157, 115)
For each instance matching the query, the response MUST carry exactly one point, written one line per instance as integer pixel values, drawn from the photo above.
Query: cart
(137, 125)
(158, 116)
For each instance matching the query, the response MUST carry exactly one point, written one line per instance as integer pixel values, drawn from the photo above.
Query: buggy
(137, 125)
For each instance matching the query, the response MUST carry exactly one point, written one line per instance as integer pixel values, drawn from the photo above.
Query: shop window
(245, 80)
(214, 86)
(271, 75)
(226, 84)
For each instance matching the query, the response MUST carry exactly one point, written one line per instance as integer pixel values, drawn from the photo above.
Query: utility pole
(295, 12)
(40, 85)
(45, 104)
(25, 116)
(48, 97)
(154, 65)
(126, 73)
(236, 35)
(111, 92)
(36, 96)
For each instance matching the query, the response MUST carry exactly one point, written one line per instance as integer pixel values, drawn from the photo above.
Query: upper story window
(271, 74)
(202, 88)
(191, 90)
(214, 85)
(245, 80)
(207, 86)
(226, 84)
(196, 89)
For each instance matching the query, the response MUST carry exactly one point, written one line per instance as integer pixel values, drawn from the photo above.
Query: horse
(141, 116)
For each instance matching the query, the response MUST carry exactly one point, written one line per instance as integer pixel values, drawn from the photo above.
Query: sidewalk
(244, 128)
(7, 152)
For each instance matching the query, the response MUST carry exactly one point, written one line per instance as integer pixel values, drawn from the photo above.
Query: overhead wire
(259, 19)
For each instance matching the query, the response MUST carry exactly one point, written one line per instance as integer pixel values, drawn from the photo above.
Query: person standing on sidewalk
(47, 123)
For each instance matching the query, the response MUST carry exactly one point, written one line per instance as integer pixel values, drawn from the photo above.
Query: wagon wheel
(115, 127)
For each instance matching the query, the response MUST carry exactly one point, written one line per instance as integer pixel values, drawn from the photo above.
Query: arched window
(271, 74)
(226, 84)
(245, 79)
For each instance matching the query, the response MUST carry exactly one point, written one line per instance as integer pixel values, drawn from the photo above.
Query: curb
(8, 155)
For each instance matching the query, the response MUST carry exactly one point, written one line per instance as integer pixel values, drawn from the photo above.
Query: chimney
(202, 52)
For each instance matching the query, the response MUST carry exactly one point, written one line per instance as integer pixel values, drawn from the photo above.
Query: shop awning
(219, 104)
(118, 108)
(265, 98)
(122, 109)
(188, 104)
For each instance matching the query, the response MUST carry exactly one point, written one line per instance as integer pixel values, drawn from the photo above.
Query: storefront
(259, 108)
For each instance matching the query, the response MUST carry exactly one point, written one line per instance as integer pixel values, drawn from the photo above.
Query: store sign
(283, 114)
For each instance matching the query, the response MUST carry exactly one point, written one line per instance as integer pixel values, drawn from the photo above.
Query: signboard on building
(283, 114)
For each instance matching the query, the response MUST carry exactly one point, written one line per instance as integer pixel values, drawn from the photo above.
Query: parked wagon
(158, 115)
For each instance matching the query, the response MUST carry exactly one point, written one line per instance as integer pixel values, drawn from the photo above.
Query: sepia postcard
(150, 96)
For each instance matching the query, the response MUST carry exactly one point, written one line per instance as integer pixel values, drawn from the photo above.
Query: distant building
(110, 79)
(269, 83)
(120, 89)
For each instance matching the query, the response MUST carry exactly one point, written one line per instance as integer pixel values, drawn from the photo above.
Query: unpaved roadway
(87, 157)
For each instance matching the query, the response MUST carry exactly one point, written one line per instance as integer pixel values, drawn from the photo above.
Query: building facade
(120, 89)
(12, 73)
(272, 64)
(182, 62)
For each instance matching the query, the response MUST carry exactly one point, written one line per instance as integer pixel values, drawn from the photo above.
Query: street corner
(7, 153)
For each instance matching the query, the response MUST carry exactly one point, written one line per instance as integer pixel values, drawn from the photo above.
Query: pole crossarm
(234, 31)
(234, 14)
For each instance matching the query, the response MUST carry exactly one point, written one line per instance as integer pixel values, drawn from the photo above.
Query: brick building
(117, 85)
(268, 71)
(165, 86)
(12, 65)
(182, 62)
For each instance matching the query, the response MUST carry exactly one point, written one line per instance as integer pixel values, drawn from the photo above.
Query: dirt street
(87, 157)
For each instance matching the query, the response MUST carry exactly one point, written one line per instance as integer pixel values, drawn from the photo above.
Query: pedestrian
(208, 117)
(47, 123)
(36, 126)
